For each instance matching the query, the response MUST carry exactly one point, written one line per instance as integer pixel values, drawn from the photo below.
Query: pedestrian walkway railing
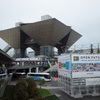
(3, 85)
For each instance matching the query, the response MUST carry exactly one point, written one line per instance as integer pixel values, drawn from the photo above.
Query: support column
(47, 51)
(37, 69)
(30, 70)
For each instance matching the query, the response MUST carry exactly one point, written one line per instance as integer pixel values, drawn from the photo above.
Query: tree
(38, 98)
(21, 92)
(98, 51)
(26, 89)
(32, 88)
(41, 82)
(91, 49)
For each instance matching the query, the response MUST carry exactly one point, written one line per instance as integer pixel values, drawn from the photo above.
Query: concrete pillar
(30, 69)
(47, 51)
(37, 69)
(5, 70)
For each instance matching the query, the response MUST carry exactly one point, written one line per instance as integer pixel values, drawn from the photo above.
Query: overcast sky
(82, 15)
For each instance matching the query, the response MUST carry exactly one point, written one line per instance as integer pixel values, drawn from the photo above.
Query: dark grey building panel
(59, 31)
(73, 37)
(12, 37)
(50, 33)
(40, 31)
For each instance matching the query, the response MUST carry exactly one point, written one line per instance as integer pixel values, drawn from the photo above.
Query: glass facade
(47, 51)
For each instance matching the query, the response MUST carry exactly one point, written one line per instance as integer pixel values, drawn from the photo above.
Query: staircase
(52, 68)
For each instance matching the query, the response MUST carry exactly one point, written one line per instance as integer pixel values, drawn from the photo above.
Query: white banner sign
(85, 66)
(85, 58)
(64, 65)
(85, 74)
(93, 81)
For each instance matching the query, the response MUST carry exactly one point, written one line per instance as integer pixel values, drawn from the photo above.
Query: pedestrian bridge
(36, 65)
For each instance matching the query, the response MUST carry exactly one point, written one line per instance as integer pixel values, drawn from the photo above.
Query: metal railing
(3, 85)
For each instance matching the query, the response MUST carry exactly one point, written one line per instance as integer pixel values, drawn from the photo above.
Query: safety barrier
(3, 86)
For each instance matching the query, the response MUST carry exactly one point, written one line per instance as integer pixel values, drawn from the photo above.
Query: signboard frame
(64, 65)
(85, 65)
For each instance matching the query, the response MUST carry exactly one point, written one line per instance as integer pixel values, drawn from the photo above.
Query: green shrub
(21, 92)
(32, 88)
(31, 81)
(38, 98)
(26, 89)
(21, 95)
